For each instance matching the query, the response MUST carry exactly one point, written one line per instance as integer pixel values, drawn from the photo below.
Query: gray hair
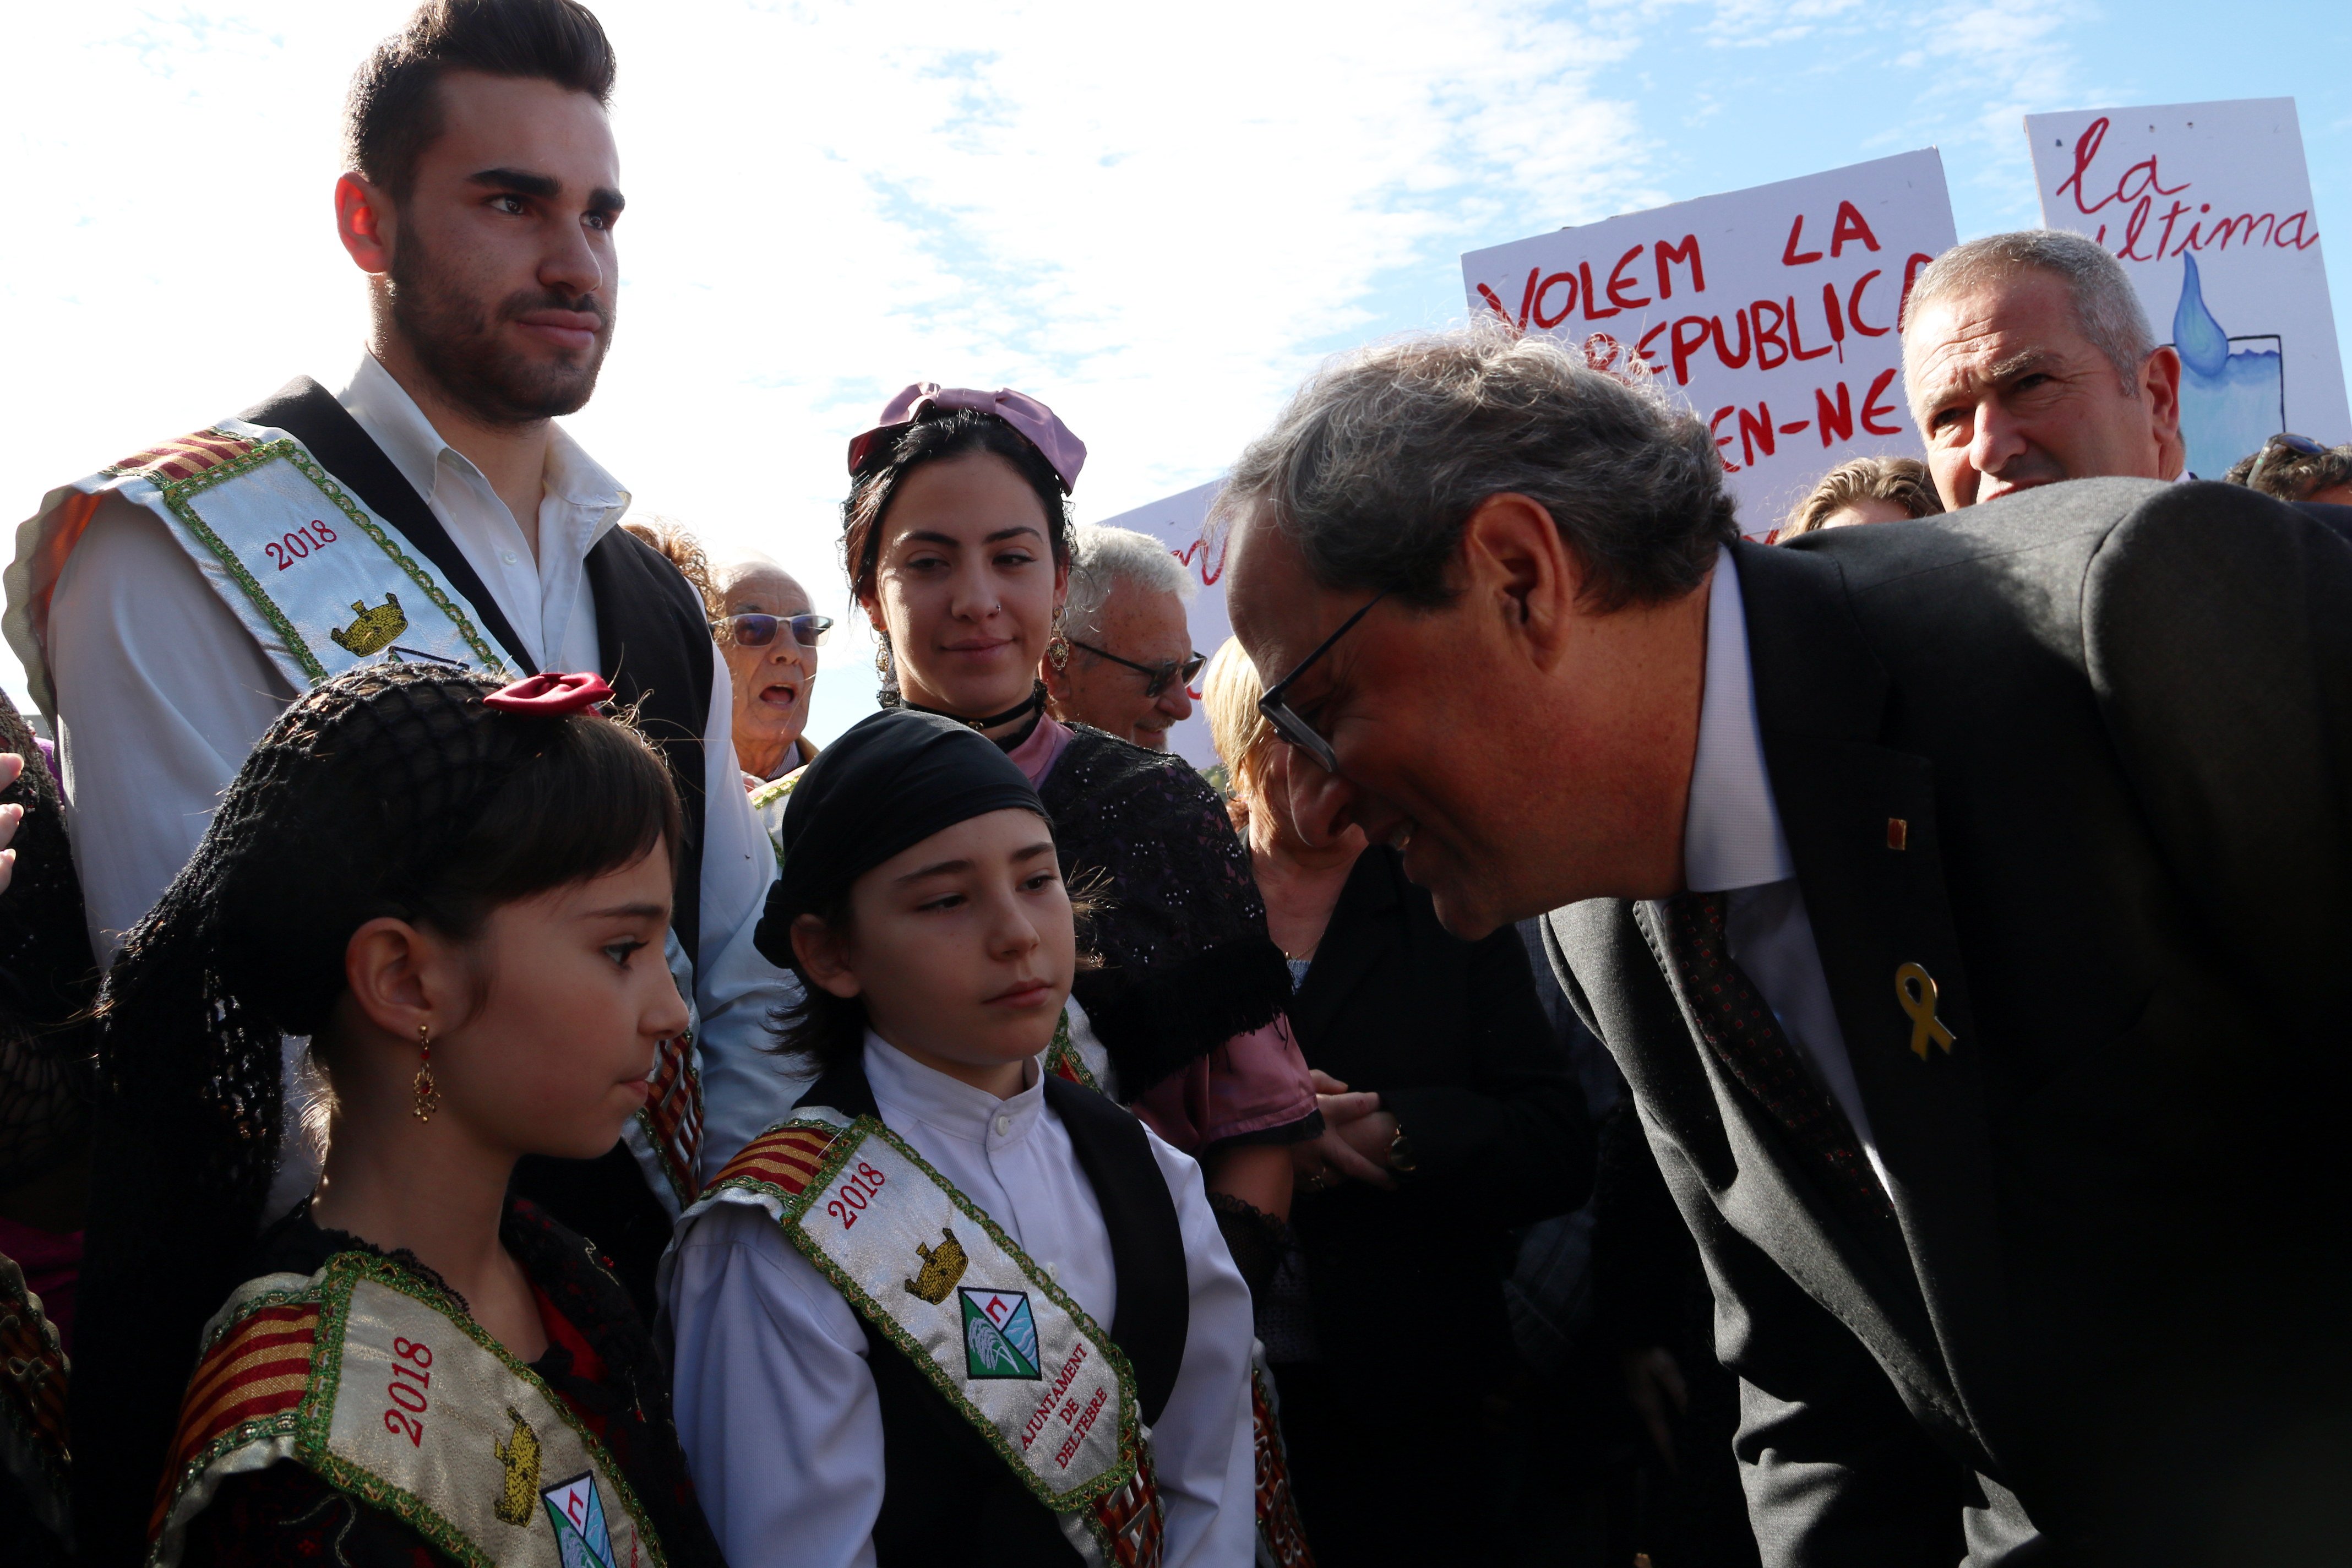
(1101, 559)
(2106, 307)
(1385, 452)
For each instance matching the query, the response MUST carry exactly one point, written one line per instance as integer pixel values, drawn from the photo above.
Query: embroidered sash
(996, 1336)
(323, 585)
(382, 1386)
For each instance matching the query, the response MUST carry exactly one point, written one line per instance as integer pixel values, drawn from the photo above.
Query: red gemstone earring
(428, 1096)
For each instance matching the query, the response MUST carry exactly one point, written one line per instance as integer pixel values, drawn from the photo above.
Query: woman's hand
(12, 768)
(1354, 1144)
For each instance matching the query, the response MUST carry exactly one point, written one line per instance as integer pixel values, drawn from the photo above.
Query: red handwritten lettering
(1851, 224)
(1714, 426)
(1790, 255)
(1910, 276)
(1837, 321)
(1690, 336)
(1796, 342)
(1731, 361)
(1688, 254)
(1527, 300)
(1591, 296)
(1871, 408)
(1641, 350)
(1755, 432)
(1618, 282)
(1853, 307)
(1769, 334)
(1548, 322)
(1837, 421)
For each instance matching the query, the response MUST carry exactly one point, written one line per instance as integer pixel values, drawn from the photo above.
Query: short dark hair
(939, 435)
(394, 111)
(1376, 466)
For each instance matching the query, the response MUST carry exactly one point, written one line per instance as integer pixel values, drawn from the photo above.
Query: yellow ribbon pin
(1916, 989)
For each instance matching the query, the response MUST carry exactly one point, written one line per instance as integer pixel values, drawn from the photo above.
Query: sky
(1158, 219)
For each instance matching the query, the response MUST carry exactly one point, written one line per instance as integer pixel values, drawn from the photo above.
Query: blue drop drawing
(2232, 390)
(2203, 345)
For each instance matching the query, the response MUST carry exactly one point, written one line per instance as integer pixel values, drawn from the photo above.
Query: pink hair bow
(550, 696)
(1038, 424)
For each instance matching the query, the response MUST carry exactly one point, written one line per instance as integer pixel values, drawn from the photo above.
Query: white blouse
(775, 1404)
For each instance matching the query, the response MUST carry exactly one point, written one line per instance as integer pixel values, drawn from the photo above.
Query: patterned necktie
(1741, 1028)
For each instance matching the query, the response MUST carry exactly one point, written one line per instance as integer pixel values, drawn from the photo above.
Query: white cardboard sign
(1177, 522)
(1772, 310)
(2208, 208)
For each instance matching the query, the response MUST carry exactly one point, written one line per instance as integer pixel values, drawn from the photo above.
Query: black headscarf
(891, 782)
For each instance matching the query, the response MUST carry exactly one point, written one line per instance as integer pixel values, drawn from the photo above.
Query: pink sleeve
(1249, 1083)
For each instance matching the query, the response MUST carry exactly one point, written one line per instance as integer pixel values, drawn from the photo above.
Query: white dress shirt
(777, 1410)
(1732, 843)
(162, 691)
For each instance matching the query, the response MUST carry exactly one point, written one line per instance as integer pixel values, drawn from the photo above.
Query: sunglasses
(759, 631)
(1157, 675)
(2286, 441)
(1277, 710)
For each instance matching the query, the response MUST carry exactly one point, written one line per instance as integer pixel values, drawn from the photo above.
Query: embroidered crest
(519, 1452)
(577, 1513)
(1000, 1336)
(943, 1266)
(371, 629)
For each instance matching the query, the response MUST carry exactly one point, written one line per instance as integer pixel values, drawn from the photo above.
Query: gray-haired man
(1131, 661)
(2028, 360)
(1964, 902)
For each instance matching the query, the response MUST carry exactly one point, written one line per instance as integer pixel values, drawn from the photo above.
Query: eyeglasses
(1289, 725)
(1160, 674)
(2284, 441)
(759, 631)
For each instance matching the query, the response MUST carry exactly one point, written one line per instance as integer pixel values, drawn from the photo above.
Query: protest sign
(1177, 522)
(1772, 310)
(2208, 208)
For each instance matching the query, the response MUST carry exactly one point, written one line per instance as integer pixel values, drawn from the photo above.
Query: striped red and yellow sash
(183, 458)
(256, 1371)
(785, 1158)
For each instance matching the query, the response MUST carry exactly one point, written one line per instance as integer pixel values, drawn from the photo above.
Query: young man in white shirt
(165, 620)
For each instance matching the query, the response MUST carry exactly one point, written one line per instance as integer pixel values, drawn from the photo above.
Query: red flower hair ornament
(550, 696)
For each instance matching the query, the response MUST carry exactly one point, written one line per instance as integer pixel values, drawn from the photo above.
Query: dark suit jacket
(2116, 718)
(1452, 1036)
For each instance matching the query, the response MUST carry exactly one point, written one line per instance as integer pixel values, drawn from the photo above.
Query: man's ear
(825, 956)
(2160, 384)
(1517, 567)
(364, 222)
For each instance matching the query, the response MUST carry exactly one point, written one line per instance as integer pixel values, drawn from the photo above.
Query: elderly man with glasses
(1131, 662)
(1963, 903)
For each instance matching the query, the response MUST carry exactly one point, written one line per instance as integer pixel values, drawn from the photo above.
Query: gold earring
(1057, 647)
(428, 1096)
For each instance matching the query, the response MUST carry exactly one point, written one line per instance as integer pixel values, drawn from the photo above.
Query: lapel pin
(1898, 833)
(1916, 989)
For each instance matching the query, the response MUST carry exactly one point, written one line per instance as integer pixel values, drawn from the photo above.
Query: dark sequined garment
(1186, 960)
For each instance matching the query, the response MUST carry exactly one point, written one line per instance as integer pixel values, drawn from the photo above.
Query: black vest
(656, 646)
(947, 1496)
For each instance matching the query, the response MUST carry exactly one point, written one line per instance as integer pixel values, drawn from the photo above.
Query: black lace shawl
(286, 1515)
(48, 980)
(1186, 960)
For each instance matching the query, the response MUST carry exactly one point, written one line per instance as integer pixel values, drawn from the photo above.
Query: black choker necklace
(1030, 704)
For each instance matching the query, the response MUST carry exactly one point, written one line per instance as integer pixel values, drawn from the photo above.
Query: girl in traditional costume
(957, 546)
(958, 1309)
(458, 894)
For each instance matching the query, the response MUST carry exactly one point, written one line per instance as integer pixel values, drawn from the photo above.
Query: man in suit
(1963, 902)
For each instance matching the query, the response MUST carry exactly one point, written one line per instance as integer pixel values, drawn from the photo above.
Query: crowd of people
(1653, 1048)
